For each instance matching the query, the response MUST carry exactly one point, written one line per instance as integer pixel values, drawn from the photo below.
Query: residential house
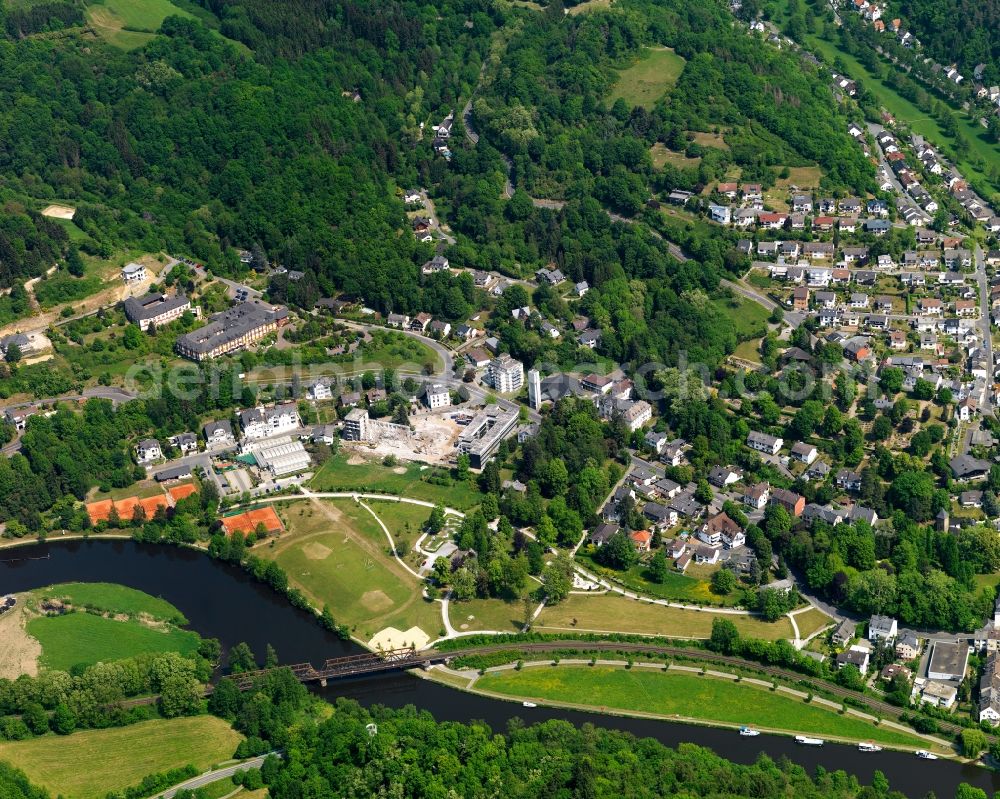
(642, 540)
(855, 657)
(882, 628)
(218, 434)
(762, 442)
(794, 503)
(756, 496)
(147, 451)
(806, 453)
(907, 646)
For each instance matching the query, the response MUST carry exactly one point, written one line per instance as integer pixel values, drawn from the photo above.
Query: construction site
(431, 437)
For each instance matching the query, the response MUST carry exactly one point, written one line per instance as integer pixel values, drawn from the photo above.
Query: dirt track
(18, 651)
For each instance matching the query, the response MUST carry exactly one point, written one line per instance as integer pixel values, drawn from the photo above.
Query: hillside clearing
(649, 78)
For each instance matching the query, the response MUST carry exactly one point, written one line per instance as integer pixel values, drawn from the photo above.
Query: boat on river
(807, 741)
(528, 704)
(923, 754)
(749, 732)
(869, 746)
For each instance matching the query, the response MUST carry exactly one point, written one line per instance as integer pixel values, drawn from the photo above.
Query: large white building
(320, 390)
(265, 422)
(505, 374)
(156, 309)
(437, 396)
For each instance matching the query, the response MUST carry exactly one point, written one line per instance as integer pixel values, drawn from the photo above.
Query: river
(223, 602)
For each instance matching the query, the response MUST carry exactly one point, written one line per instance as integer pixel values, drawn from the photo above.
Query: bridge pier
(322, 682)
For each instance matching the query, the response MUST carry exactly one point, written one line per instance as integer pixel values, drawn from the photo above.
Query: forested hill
(240, 129)
(966, 32)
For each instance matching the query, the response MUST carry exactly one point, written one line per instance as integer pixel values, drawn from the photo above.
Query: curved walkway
(356, 495)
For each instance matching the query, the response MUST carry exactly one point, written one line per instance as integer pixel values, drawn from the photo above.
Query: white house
(882, 628)
(320, 390)
(148, 450)
(762, 442)
(134, 273)
(437, 396)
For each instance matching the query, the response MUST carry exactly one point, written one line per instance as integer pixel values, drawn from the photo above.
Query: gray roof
(229, 326)
(149, 306)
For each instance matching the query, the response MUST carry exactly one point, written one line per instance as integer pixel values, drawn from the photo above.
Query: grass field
(83, 638)
(661, 155)
(130, 23)
(89, 764)
(338, 556)
(747, 316)
(680, 587)
(614, 613)
(113, 598)
(649, 78)
(687, 695)
(590, 5)
(487, 614)
(405, 480)
(749, 350)
(716, 140)
(810, 621)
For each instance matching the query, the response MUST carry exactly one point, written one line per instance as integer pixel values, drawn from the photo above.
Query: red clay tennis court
(182, 491)
(101, 511)
(247, 522)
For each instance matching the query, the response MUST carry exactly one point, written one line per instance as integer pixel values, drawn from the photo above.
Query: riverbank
(685, 694)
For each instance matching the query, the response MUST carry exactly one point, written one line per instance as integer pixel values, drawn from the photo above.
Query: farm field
(649, 78)
(83, 638)
(688, 695)
(90, 763)
(613, 613)
(338, 556)
(355, 473)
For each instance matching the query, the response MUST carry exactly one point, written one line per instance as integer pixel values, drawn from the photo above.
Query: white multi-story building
(437, 396)
(505, 374)
(264, 422)
(535, 389)
(148, 450)
(320, 390)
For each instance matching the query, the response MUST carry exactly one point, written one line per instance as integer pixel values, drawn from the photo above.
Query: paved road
(214, 776)
(116, 395)
(903, 200)
(984, 319)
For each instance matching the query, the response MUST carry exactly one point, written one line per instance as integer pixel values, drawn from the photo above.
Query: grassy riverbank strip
(685, 694)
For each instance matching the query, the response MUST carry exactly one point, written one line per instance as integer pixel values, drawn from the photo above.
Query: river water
(223, 602)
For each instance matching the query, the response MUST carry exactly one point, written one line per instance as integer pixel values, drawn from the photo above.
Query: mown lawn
(340, 558)
(810, 621)
(649, 78)
(83, 638)
(113, 598)
(488, 614)
(91, 763)
(611, 613)
(684, 694)
(410, 480)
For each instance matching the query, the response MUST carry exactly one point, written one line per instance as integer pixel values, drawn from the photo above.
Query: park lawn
(405, 521)
(685, 694)
(649, 78)
(131, 23)
(84, 638)
(339, 557)
(810, 621)
(91, 763)
(487, 615)
(343, 473)
(678, 587)
(113, 598)
(612, 613)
